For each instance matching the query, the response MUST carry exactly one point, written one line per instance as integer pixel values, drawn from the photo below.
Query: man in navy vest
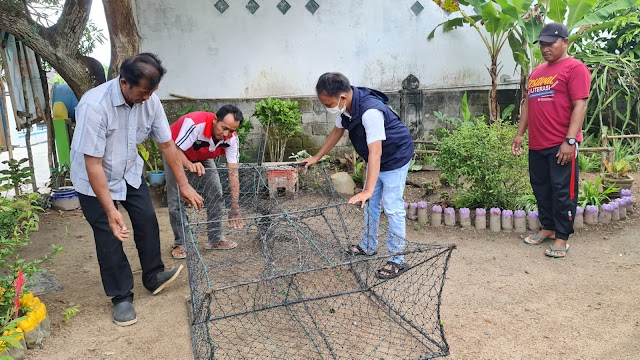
(384, 142)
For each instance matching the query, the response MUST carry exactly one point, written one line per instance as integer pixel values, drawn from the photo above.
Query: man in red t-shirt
(554, 110)
(202, 137)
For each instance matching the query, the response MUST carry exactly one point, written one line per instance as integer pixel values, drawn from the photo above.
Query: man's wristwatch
(570, 141)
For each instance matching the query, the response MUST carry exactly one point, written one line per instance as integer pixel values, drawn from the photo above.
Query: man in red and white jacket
(202, 137)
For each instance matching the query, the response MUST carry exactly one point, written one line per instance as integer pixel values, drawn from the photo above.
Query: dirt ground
(502, 299)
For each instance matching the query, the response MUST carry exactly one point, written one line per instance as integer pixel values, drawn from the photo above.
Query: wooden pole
(7, 131)
(5, 66)
(20, 47)
(51, 148)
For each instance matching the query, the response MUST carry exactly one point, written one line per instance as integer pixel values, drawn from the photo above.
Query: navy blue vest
(397, 149)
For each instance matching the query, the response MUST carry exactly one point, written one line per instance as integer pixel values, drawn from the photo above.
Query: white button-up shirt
(108, 128)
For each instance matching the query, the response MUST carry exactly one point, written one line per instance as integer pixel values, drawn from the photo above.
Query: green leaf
(466, 114)
(446, 26)
(491, 17)
(557, 10)
(577, 10)
(600, 15)
(519, 53)
(508, 8)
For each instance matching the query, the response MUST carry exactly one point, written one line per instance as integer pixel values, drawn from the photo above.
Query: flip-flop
(556, 256)
(359, 251)
(230, 245)
(392, 272)
(535, 239)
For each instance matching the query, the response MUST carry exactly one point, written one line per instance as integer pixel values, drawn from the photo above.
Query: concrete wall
(376, 43)
(316, 124)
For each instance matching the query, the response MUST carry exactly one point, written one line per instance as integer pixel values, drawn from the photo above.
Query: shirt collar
(117, 99)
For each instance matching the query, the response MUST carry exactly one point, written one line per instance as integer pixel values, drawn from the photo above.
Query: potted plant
(63, 195)
(153, 158)
(617, 176)
(281, 119)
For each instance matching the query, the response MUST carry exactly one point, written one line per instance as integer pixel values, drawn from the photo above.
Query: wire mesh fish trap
(289, 290)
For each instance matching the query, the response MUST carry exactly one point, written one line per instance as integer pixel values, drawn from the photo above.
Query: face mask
(337, 110)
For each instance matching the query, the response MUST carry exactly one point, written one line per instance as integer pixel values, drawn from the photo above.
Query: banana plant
(497, 23)
(583, 17)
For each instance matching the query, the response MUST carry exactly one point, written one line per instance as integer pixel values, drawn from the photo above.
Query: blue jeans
(390, 190)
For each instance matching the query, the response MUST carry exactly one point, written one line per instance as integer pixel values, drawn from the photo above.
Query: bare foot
(178, 252)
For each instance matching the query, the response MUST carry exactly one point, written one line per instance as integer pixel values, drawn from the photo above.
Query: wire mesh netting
(290, 290)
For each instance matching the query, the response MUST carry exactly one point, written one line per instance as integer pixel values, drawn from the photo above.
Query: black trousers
(555, 187)
(117, 278)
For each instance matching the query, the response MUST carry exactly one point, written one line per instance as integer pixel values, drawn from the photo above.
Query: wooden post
(603, 143)
(51, 148)
(20, 47)
(7, 131)
(5, 66)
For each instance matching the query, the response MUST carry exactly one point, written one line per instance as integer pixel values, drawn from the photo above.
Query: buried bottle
(481, 219)
(519, 221)
(465, 217)
(436, 215)
(507, 220)
(450, 216)
(578, 221)
(533, 222)
(591, 215)
(423, 215)
(605, 214)
(494, 219)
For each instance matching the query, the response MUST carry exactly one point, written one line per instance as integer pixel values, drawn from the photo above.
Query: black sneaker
(166, 277)
(124, 314)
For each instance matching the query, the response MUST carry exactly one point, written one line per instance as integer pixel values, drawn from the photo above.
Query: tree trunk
(58, 45)
(493, 94)
(123, 32)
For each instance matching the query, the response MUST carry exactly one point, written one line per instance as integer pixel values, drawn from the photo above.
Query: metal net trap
(289, 290)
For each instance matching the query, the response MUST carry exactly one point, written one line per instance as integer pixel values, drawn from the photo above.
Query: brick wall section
(316, 125)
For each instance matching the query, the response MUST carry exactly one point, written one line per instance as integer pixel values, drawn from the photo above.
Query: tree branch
(71, 24)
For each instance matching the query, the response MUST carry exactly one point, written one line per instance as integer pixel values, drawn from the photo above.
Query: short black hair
(333, 84)
(230, 109)
(142, 66)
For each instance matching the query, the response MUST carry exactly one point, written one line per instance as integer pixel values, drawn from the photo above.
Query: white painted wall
(376, 43)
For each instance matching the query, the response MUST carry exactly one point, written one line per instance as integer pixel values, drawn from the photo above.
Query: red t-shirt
(192, 133)
(551, 91)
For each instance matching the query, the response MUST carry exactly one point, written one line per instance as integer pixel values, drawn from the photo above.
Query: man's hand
(362, 197)
(234, 220)
(116, 223)
(191, 196)
(516, 145)
(195, 168)
(309, 161)
(565, 153)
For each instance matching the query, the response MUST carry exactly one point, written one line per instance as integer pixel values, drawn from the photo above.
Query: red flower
(18, 283)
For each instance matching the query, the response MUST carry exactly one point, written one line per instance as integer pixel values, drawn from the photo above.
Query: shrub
(281, 120)
(476, 159)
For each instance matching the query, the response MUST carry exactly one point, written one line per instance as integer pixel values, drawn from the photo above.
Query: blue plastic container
(157, 178)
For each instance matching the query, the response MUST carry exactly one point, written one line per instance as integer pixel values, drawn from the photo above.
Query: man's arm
(566, 151)
(516, 145)
(234, 189)
(373, 171)
(172, 155)
(98, 181)
(577, 117)
(334, 136)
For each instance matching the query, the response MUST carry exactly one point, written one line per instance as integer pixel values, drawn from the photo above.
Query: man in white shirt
(111, 120)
